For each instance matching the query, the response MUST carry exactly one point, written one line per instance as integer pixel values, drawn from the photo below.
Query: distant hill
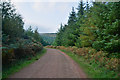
(48, 38)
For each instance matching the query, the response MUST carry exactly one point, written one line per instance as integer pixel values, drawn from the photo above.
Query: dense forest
(96, 25)
(17, 43)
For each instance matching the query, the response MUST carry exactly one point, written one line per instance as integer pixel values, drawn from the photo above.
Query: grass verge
(21, 64)
(92, 70)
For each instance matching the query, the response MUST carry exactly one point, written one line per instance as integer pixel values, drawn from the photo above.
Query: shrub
(20, 50)
(7, 55)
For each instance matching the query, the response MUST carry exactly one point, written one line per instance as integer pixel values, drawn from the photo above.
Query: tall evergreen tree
(71, 27)
(72, 17)
(58, 40)
(87, 6)
(80, 9)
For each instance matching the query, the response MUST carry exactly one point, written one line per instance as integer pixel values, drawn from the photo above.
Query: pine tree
(58, 40)
(87, 6)
(80, 10)
(72, 17)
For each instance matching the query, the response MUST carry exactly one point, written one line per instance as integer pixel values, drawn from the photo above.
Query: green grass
(93, 70)
(21, 64)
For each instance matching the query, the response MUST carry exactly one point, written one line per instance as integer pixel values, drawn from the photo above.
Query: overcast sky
(46, 16)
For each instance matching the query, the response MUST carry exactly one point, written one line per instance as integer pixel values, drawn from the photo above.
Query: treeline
(96, 25)
(17, 43)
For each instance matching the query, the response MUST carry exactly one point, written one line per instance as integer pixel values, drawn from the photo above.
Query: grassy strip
(93, 70)
(21, 64)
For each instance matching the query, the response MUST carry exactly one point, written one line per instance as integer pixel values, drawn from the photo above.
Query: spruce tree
(80, 9)
(72, 17)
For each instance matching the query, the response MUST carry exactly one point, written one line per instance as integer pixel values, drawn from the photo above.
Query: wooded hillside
(48, 38)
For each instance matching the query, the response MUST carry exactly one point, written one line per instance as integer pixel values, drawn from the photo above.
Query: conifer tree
(72, 17)
(80, 10)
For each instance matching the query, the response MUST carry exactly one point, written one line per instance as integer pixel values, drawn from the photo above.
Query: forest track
(54, 64)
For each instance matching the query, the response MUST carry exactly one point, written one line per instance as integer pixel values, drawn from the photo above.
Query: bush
(112, 46)
(98, 45)
(7, 55)
(20, 50)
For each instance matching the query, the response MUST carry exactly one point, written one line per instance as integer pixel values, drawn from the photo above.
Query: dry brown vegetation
(90, 54)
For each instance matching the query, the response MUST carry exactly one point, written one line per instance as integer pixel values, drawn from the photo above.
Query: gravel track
(54, 64)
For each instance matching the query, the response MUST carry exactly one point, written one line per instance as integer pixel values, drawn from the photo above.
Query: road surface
(53, 64)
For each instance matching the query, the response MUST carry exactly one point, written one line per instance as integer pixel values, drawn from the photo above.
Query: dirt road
(54, 64)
